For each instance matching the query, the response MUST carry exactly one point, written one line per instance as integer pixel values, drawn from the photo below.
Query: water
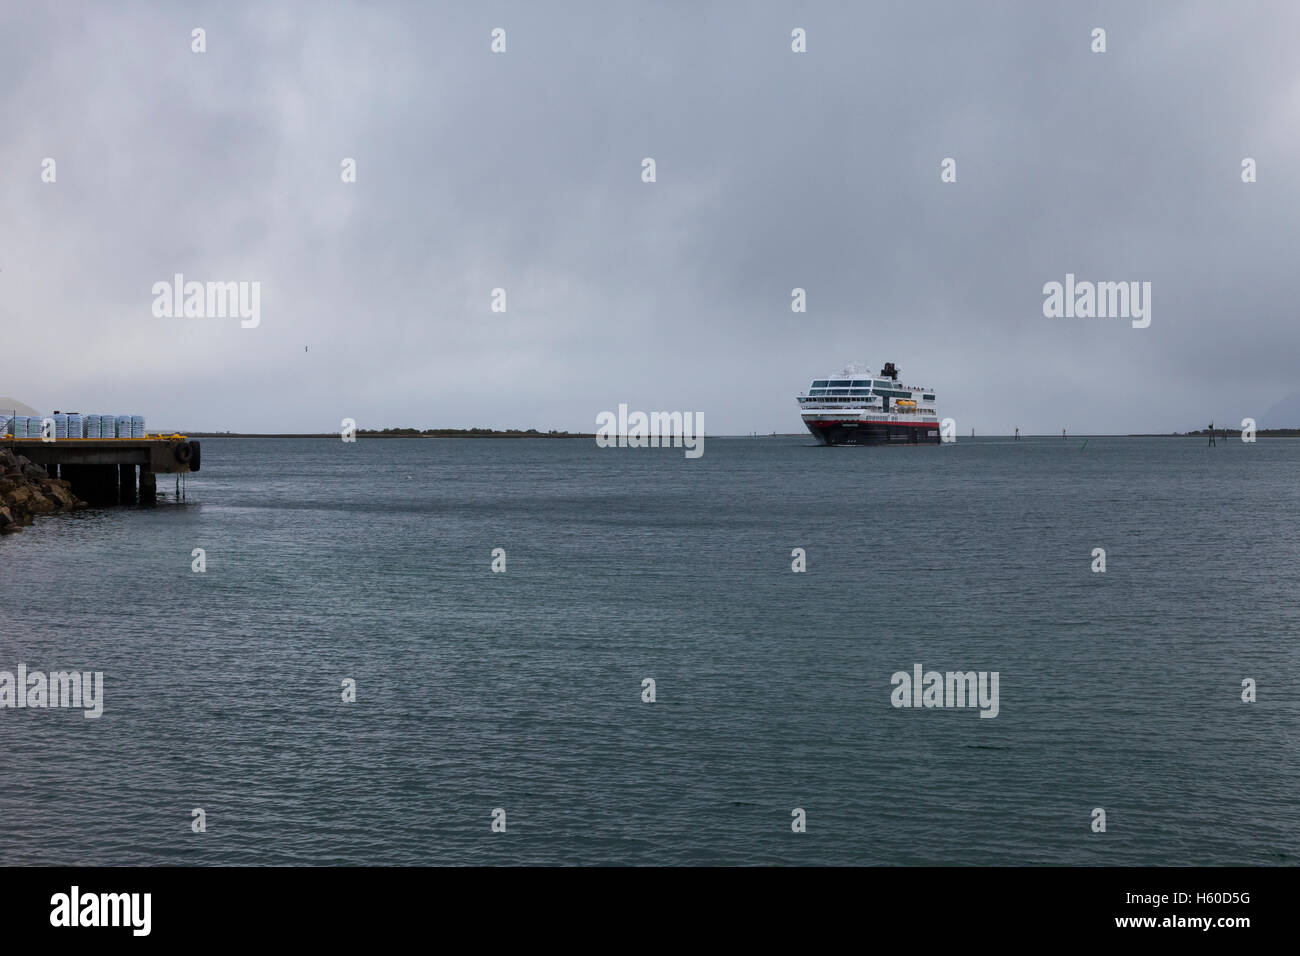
(522, 690)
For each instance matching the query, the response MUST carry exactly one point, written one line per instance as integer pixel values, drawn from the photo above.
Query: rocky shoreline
(26, 491)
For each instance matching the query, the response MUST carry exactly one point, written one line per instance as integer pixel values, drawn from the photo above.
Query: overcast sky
(522, 171)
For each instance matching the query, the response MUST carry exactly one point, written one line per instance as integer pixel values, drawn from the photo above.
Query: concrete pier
(103, 471)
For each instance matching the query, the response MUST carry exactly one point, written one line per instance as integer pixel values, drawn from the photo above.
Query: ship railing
(883, 416)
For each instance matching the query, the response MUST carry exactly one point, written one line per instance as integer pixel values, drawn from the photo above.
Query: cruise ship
(858, 408)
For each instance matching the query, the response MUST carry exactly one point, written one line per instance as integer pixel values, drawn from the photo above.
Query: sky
(774, 170)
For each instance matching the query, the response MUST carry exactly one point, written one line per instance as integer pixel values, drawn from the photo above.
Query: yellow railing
(147, 437)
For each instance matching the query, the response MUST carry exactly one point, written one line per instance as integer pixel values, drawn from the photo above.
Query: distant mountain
(1285, 414)
(8, 404)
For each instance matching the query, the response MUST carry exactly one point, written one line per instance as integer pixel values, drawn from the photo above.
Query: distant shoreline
(1229, 433)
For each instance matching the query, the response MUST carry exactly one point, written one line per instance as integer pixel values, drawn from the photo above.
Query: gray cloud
(775, 170)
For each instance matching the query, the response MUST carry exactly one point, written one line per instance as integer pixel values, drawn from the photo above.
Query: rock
(26, 490)
(9, 466)
(20, 496)
(62, 497)
(40, 505)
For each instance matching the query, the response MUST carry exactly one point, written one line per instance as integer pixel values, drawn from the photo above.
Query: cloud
(522, 171)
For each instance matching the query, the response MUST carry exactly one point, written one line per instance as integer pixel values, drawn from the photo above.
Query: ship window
(866, 384)
(927, 398)
(822, 383)
(861, 391)
(838, 384)
(819, 391)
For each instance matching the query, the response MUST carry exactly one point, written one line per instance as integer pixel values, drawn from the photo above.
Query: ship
(856, 407)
